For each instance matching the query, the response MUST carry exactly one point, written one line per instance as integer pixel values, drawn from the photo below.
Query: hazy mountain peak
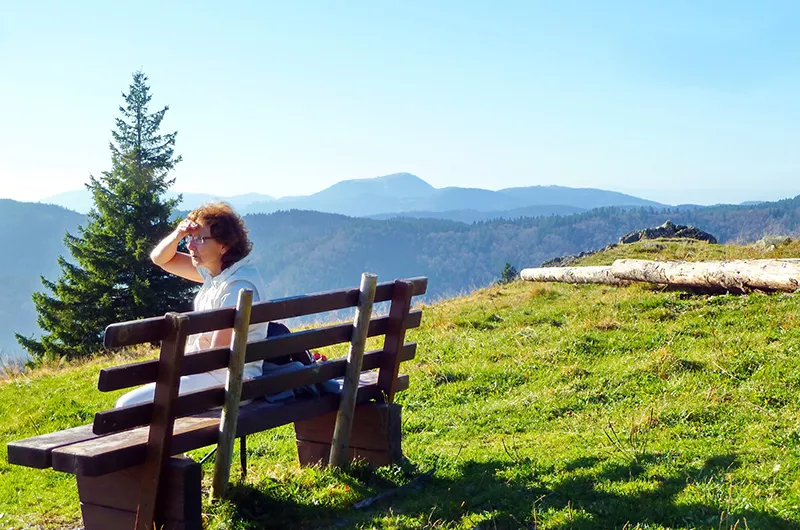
(581, 197)
(397, 185)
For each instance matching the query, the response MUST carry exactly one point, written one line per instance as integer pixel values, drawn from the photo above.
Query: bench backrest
(151, 330)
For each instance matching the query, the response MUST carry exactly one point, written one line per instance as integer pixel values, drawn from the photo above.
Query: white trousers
(189, 383)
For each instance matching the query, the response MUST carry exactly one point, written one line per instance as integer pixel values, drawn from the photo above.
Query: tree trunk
(572, 275)
(735, 276)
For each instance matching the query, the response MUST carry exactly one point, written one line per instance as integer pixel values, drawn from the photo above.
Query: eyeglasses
(197, 240)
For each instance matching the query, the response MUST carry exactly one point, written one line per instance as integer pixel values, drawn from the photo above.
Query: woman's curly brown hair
(226, 228)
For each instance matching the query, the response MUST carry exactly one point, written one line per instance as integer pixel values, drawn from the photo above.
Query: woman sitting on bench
(218, 248)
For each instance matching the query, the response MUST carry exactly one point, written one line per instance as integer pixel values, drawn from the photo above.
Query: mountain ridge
(306, 251)
(399, 193)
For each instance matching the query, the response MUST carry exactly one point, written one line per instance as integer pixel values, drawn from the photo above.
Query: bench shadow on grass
(511, 491)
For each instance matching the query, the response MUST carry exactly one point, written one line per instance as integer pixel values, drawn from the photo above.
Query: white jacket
(222, 290)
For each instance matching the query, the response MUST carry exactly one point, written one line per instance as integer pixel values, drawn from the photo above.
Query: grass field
(538, 406)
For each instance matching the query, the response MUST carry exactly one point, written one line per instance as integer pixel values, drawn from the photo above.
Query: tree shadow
(517, 493)
(257, 507)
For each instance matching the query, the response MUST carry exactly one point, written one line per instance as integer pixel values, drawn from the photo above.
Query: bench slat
(144, 372)
(36, 451)
(154, 329)
(312, 374)
(191, 403)
(125, 449)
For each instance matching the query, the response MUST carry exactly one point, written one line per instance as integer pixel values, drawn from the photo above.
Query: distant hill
(304, 251)
(81, 200)
(403, 193)
(586, 198)
(457, 256)
(396, 185)
(473, 216)
(33, 238)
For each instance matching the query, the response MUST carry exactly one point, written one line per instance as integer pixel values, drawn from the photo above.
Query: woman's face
(205, 250)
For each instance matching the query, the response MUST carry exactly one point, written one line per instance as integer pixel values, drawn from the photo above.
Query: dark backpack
(281, 364)
(276, 329)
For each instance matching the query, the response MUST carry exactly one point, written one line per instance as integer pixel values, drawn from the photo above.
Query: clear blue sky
(675, 101)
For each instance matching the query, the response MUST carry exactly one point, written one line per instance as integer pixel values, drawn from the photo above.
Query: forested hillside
(305, 251)
(545, 406)
(32, 239)
(300, 251)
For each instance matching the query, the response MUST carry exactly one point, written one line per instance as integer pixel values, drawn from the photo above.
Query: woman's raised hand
(166, 254)
(185, 227)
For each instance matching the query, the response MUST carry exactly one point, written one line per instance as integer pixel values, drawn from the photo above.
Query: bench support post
(394, 339)
(106, 501)
(355, 357)
(158, 441)
(233, 394)
(375, 436)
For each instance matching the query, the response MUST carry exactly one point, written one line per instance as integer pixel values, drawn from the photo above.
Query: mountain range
(301, 251)
(33, 235)
(81, 200)
(404, 194)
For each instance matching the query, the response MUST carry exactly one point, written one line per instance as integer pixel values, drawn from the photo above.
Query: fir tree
(509, 273)
(110, 277)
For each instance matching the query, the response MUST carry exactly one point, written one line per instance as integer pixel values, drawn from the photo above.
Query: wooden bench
(122, 461)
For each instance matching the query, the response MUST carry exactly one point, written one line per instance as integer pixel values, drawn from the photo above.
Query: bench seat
(80, 452)
(123, 461)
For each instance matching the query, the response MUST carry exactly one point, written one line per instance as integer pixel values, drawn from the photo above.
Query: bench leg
(375, 437)
(109, 501)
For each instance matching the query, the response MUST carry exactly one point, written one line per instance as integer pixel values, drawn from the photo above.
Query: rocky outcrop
(570, 260)
(669, 231)
(770, 242)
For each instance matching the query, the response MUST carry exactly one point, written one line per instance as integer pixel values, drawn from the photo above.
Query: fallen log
(572, 275)
(735, 276)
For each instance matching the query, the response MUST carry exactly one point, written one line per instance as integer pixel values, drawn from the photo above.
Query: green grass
(542, 406)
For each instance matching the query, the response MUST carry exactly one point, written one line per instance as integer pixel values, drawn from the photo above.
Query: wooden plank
(97, 517)
(374, 428)
(120, 450)
(120, 419)
(317, 373)
(318, 338)
(233, 395)
(317, 453)
(395, 337)
(180, 486)
(298, 306)
(127, 448)
(355, 358)
(134, 332)
(160, 431)
(262, 415)
(36, 451)
(313, 453)
(102, 517)
(144, 372)
(190, 403)
(152, 329)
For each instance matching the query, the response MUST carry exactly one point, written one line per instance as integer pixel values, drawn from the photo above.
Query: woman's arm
(166, 254)
(222, 338)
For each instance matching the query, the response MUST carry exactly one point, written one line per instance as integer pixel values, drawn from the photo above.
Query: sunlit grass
(543, 406)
